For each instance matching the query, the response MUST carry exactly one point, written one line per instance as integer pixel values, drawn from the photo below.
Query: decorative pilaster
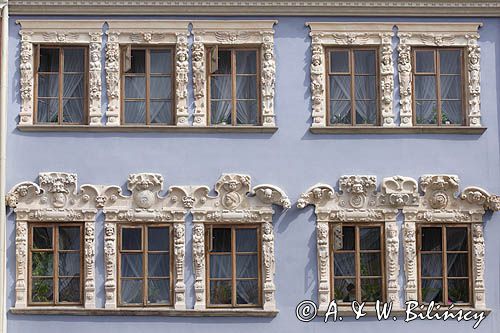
(95, 85)
(199, 82)
(478, 265)
(113, 79)
(180, 288)
(405, 81)
(181, 82)
(410, 249)
(386, 80)
(110, 265)
(322, 236)
(318, 82)
(89, 268)
(268, 266)
(27, 79)
(474, 89)
(21, 264)
(199, 265)
(392, 262)
(268, 77)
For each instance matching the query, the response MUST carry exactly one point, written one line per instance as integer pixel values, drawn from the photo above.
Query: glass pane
(365, 87)
(161, 61)
(340, 87)
(366, 112)
(135, 112)
(131, 265)
(339, 61)
(370, 264)
(246, 112)
(131, 238)
(371, 290)
(42, 237)
(48, 85)
(458, 291)
(344, 264)
(69, 290)
(220, 292)
(450, 61)
(457, 265)
(220, 112)
(426, 112)
(425, 87)
(246, 87)
(344, 290)
(431, 239)
(246, 62)
(131, 291)
(348, 240)
(246, 240)
(247, 266)
(47, 111)
(49, 60)
(138, 61)
(161, 87)
(158, 291)
(158, 265)
(220, 266)
(364, 62)
(69, 238)
(220, 87)
(42, 264)
(74, 60)
(69, 264)
(158, 239)
(247, 292)
(135, 87)
(221, 240)
(456, 239)
(432, 265)
(224, 62)
(369, 238)
(42, 290)
(432, 290)
(451, 87)
(161, 112)
(424, 61)
(451, 112)
(73, 111)
(340, 112)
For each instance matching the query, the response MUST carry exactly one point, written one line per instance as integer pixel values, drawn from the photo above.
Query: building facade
(207, 167)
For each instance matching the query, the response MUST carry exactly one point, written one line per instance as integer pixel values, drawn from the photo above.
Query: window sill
(469, 130)
(371, 312)
(150, 128)
(129, 311)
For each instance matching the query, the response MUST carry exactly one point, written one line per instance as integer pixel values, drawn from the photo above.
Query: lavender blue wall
(291, 158)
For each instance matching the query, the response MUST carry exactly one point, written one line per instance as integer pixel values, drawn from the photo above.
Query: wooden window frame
(60, 73)
(444, 267)
(208, 237)
(352, 75)
(357, 251)
(147, 77)
(234, 113)
(55, 266)
(437, 74)
(145, 274)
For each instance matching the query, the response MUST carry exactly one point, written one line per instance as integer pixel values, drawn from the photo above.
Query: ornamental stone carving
(230, 32)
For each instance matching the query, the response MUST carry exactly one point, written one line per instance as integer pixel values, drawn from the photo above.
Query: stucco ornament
(236, 203)
(60, 32)
(237, 33)
(54, 199)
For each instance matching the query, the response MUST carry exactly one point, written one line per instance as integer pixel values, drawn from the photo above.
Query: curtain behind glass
(73, 85)
(451, 86)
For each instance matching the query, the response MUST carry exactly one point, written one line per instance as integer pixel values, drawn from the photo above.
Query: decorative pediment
(147, 31)
(399, 191)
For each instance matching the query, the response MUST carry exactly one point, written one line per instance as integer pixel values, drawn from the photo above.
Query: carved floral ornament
(358, 201)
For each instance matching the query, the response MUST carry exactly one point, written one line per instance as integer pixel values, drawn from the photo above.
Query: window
(148, 89)
(358, 265)
(61, 80)
(55, 256)
(145, 266)
(444, 264)
(234, 269)
(438, 86)
(234, 87)
(352, 82)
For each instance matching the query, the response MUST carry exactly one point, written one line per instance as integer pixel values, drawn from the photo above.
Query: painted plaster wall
(291, 158)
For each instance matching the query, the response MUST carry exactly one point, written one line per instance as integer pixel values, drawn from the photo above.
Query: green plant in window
(42, 291)
(222, 294)
(338, 294)
(458, 294)
(371, 292)
(445, 119)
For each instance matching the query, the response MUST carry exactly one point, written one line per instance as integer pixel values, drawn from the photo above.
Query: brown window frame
(444, 267)
(357, 251)
(60, 73)
(208, 237)
(147, 75)
(55, 266)
(145, 274)
(437, 74)
(352, 75)
(209, 74)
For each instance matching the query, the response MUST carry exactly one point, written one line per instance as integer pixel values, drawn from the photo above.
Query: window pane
(158, 239)
(135, 87)
(73, 111)
(69, 238)
(69, 290)
(220, 112)
(451, 87)
(161, 112)
(73, 85)
(138, 61)
(432, 290)
(158, 265)
(247, 292)
(366, 112)
(135, 112)
(74, 60)
(42, 290)
(424, 61)
(246, 87)
(340, 112)
(348, 239)
(42, 264)
(369, 238)
(344, 264)
(425, 87)
(365, 87)
(246, 62)
(339, 61)
(220, 87)
(364, 62)
(131, 291)
(451, 112)
(431, 239)
(457, 265)
(221, 240)
(158, 291)
(426, 112)
(340, 87)
(220, 266)
(224, 62)
(370, 264)
(42, 237)
(49, 60)
(344, 290)
(247, 266)
(161, 61)
(131, 265)
(371, 290)
(131, 238)
(220, 292)
(458, 291)
(48, 85)
(47, 111)
(432, 265)
(246, 112)
(246, 240)
(450, 61)
(161, 87)
(456, 239)
(69, 264)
